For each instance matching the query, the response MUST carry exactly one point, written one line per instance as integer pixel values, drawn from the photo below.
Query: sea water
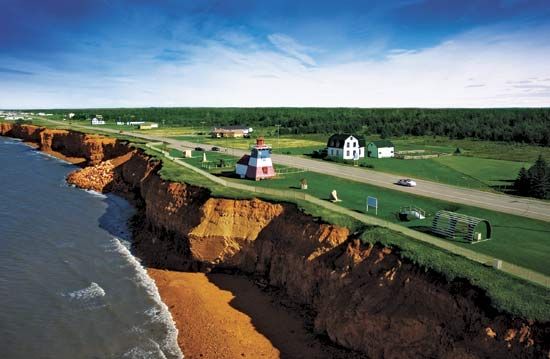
(69, 285)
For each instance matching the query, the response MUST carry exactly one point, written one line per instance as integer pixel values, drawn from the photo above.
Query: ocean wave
(159, 312)
(90, 292)
(145, 353)
(95, 193)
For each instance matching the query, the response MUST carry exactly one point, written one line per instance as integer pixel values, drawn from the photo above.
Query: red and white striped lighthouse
(257, 165)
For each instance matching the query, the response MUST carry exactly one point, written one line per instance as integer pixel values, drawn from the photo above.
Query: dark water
(69, 287)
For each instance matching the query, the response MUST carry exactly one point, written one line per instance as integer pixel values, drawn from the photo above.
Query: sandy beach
(228, 316)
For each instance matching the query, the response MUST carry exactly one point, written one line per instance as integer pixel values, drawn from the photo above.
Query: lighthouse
(257, 165)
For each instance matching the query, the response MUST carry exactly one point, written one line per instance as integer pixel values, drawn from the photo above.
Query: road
(519, 206)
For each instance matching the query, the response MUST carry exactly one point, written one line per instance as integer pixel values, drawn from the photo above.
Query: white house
(96, 121)
(346, 146)
(381, 149)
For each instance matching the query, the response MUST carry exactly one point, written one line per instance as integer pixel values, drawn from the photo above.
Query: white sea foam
(90, 292)
(95, 193)
(159, 312)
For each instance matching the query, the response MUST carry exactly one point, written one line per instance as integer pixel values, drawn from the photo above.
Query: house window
(348, 145)
(347, 153)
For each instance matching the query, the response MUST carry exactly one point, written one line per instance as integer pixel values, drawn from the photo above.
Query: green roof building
(381, 149)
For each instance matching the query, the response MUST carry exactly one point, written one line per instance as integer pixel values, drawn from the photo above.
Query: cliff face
(91, 148)
(363, 297)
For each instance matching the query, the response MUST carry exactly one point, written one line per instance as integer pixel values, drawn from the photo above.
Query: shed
(381, 149)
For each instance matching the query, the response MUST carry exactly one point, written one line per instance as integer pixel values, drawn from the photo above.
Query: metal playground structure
(454, 225)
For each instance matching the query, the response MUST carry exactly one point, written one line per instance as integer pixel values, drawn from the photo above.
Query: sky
(232, 53)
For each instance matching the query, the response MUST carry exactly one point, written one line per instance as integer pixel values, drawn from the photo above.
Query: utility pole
(278, 134)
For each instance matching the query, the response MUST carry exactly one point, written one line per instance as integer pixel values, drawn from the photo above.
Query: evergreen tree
(539, 181)
(521, 184)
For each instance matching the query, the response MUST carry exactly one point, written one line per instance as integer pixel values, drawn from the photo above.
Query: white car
(406, 182)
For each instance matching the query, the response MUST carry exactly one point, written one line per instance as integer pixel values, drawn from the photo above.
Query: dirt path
(227, 316)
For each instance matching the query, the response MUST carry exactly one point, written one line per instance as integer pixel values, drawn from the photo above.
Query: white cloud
(481, 68)
(289, 46)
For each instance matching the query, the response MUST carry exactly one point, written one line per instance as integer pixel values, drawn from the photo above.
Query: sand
(228, 316)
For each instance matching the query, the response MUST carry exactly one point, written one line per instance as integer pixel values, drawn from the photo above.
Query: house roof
(337, 140)
(230, 128)
(383, 143)
(244, 160)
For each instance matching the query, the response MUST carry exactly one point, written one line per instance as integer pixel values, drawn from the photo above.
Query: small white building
(148, 125)
(346, 146)
(96, 121)
(381, 149)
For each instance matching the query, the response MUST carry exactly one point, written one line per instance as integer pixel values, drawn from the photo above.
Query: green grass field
(481, 165)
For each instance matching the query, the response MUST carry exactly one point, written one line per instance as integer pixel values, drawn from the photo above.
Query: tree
(521, 185)
(539, 179)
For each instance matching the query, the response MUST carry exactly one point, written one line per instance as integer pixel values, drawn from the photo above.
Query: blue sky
(111, 53)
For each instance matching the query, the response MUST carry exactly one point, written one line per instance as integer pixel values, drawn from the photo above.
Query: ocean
(69, 286)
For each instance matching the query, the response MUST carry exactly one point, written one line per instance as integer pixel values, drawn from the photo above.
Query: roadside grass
(429, 169)
(489, 171)
(474, 148)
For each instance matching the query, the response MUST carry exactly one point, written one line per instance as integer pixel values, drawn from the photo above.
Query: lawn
(474, 148)
(489, 171)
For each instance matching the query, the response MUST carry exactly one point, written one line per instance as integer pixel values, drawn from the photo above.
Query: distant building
(231, 131)
(257, 165)
(71, 115)
(148, 125)
(381, 149)
(346, 146)
(96, 121)
(133, 123)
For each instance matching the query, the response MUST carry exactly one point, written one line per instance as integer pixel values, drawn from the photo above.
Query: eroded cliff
(364, 297)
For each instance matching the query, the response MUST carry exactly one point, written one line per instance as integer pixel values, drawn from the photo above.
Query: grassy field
(489, 171)
(481, 165)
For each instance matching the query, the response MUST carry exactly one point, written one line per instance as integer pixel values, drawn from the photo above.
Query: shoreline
(228, 316)
(214, 327)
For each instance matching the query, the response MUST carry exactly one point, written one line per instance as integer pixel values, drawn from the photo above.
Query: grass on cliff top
(507, 293)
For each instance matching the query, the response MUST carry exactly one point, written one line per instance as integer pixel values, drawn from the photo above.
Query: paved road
(524, 207)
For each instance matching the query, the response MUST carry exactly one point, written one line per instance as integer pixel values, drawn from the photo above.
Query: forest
(522, 125)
